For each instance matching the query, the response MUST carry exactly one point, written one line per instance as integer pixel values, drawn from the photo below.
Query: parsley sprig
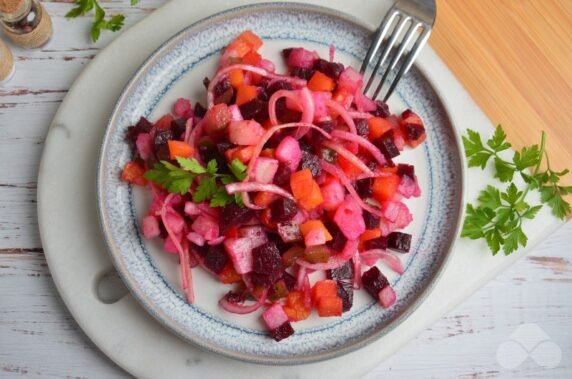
(499, 213)
(114, 23)
(210, 183)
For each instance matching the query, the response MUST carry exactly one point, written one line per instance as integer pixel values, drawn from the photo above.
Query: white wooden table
(39, 338)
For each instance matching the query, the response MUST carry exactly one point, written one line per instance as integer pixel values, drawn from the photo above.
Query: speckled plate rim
(248, 357)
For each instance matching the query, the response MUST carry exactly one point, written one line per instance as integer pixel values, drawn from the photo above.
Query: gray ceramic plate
(177, 69)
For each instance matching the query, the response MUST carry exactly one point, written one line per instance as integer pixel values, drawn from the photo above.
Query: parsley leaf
(210, 185)
(500, 213)
(170, 177)
(192, 165)
(238, 169)
(113, 24)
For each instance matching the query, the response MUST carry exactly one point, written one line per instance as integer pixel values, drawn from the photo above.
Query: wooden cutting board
(515, 59)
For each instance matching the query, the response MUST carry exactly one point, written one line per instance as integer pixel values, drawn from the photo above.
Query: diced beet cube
(199, 110)
(216, 258)
(274, 316)
(178, 127)
(283, 209)
(260, 279)
(371, 221)
(312, 163)
(362, 127)
(284, 114)
(331, 69)
(286, 53)
(406, 170)
(233, 214)
(282, 176)
(142, 126)
(267, 259)
(342, 273)
(283, 331)
(413, 131)
(364, 187)
(277, 86)
(374, 281)
(162, 136)
(386, 145)
(200, 250)
(302, 73)
(209, 151)
(223, 92)
(339, 241)
(376, 243)
(399, 241)
(327, 125)
(382, 109)
(305, 146)
(255, 109)
(346, 293)
(289, 232)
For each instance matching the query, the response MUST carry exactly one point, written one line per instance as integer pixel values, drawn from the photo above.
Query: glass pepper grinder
(6, 63)
(25, 22)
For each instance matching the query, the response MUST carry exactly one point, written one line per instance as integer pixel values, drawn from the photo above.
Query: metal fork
(418, 17)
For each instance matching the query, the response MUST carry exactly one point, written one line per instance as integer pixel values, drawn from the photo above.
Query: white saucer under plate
(76, 253)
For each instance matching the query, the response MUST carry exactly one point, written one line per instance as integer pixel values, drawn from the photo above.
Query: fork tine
(385, 53)
(413, 26)
(378, 38)
(410, 58)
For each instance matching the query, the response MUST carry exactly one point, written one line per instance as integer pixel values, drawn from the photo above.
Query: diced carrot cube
(377, 127)
(348, 167)
(308, 226)
(133, 173)
(263, 199)
(236, 77)
(245, 94)
(252, 58)
(370, 234)
(238, 48)
(321, 82)
(330, 306)
(295, 307)
(229, 275)
(232, 232)
(305, 189)
(324, 288)
(385, 187)
(179, 149)
(251, 39)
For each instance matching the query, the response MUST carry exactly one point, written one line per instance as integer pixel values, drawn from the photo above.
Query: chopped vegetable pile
(280, 177)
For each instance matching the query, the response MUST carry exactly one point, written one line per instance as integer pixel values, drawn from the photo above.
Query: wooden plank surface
(515, 59)
(40, 339)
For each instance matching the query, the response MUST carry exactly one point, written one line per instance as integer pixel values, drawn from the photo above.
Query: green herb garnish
(499, 215)
(114, 23)
(210, 184)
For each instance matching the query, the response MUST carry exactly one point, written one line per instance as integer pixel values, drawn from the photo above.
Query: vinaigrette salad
(280, 176)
